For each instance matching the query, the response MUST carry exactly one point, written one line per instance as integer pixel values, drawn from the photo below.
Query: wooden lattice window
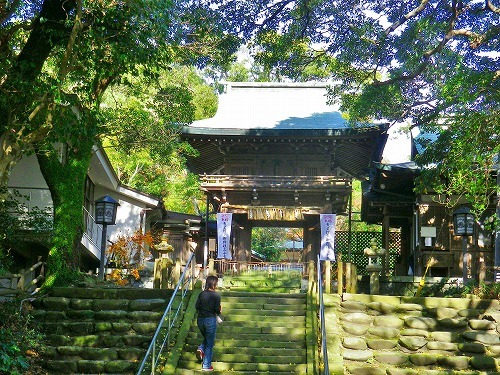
(359, 241)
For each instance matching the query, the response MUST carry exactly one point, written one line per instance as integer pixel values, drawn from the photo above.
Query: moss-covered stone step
(264, 343)
(90, 367)
(234, 372)
(190, 351)
(277, 282)
(251, 319)
(257, 368)
(266, 356)
(293, 311)
(258, 297)
(299, 306)
(259, 337)
(233, 329)
(267, 289)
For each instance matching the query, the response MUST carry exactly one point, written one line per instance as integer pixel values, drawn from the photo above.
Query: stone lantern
(374, 254)
(163, 265)
(164, 248)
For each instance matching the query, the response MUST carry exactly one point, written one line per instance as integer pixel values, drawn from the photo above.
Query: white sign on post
(327, 250)
(224, 221)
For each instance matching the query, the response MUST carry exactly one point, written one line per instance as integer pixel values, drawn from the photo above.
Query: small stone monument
(374, 254)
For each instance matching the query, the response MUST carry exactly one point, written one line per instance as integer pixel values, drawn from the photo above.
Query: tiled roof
(282, 114)
(251, 105)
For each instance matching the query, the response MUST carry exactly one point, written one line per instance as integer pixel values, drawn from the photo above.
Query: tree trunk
(66, 182)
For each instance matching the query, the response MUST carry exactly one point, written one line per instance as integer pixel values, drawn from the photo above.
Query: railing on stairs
(322, 330)
(171, 316)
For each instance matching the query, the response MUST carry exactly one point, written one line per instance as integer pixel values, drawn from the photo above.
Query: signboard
(224, 221)
(327, 250)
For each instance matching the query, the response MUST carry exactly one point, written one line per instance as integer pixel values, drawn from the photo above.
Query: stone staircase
(98, 331)
(262, 333)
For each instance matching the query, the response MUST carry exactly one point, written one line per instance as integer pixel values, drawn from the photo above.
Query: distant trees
(58, 58)
(143, 121)
(269, 242)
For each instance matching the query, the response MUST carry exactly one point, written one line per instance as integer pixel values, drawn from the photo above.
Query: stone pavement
(373, 334)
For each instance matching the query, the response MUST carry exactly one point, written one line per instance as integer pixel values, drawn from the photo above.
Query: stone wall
(373, 334)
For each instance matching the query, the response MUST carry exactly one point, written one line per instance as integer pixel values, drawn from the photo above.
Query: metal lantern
(463, 222)
(463, 225)
(105, 210)
(105, 214)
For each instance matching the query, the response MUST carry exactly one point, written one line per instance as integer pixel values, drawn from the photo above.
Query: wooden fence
(13, 284)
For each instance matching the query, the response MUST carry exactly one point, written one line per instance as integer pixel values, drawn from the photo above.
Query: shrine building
(275, 154)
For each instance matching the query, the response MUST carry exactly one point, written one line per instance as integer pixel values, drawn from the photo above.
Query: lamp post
(105, 214)
(463, 225)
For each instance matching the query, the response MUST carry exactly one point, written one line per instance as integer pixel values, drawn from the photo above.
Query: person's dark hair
(211, 282)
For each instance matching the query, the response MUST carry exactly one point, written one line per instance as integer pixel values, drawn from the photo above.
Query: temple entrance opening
(276, 244)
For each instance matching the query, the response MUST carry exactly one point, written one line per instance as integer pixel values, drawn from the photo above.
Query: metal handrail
(322, 331)
(93, 231)
(183, 287)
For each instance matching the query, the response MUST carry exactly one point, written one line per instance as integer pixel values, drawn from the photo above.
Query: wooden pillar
(176, 273)
(243, 243)
(340, 277)
(349, 270)
(312, 238)
(385, 241)
(193, 274)
(311, 274)
(351, 278)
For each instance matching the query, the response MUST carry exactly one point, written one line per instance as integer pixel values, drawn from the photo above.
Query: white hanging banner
(327, 251)
(224, 221)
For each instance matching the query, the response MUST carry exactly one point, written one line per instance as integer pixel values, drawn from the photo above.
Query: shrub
(485, 291)
(127, 254)
(20, 340)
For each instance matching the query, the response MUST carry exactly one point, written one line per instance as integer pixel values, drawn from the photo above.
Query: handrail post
(328, 276)
(193, 274)
(340, 277)
(324, 348)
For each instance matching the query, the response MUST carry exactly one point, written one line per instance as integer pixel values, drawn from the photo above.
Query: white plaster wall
(127, 219)
(27, 173)
(27, 179)
(128, 214)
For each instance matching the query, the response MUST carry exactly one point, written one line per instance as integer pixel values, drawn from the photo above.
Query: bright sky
(398, 147)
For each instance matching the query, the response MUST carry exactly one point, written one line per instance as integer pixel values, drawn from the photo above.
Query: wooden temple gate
(276, 155)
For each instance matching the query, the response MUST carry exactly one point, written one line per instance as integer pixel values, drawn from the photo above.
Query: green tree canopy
(431, 64)
(58, 58)
(144, 119)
